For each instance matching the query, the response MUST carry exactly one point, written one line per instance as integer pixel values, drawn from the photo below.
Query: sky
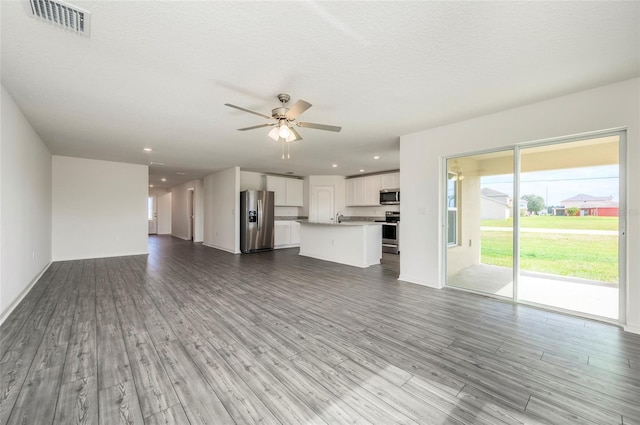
(558, 185)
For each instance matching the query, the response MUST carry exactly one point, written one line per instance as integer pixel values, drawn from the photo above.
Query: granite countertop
(344, 223)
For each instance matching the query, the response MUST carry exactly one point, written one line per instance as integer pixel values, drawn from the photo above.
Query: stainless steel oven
(391, 233)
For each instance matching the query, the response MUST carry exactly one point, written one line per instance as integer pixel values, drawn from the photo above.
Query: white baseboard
(23, 294)
(231, 251)
(632, 329)
(128, 254)
(418, 281)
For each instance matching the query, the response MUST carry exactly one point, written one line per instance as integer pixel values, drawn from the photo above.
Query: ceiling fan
(283, 120)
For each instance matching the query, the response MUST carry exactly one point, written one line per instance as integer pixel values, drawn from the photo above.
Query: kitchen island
(355, 243)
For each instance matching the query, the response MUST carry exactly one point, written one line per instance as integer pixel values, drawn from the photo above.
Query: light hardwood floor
(192, 335)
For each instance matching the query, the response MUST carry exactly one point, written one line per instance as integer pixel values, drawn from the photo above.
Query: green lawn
(592, 257)
(559, 222)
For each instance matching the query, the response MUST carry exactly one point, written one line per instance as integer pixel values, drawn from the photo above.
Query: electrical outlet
(469, 242)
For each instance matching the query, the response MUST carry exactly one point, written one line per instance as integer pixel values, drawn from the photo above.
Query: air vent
(62, 15)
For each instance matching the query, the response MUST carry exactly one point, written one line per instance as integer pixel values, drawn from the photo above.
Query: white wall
(221, 210)
(163, 200)
(25, 206)
(180, 210)
(608, 107)
(251, 181)
(99, 208)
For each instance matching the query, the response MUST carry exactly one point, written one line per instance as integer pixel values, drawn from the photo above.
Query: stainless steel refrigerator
(256, 220)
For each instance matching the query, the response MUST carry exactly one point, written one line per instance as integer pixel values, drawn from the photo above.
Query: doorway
(540, 224)
(152, 214)
(190, 214)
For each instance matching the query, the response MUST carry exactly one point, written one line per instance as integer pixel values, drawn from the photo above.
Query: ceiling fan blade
(256, 126)
(296, 134)
(247, 110)
(319, 126)
(298, 108)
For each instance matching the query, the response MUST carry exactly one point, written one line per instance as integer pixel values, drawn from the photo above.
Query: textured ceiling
(157, 74)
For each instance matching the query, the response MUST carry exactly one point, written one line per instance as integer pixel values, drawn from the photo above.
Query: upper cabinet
(295, 192)
(390, 181)
(288, 191)
(354, 192)
(365, 191)
(372, 186)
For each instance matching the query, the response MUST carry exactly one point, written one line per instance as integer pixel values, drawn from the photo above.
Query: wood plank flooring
(193, 335)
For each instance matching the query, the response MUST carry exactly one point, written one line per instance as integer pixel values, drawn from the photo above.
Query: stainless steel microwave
(390, 197)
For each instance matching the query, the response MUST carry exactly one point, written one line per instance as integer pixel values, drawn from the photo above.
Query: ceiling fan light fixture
(283, 131)
(274, 134)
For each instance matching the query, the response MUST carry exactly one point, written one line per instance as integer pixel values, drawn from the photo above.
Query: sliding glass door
(569, 237)
(540, 224)
(480, 223)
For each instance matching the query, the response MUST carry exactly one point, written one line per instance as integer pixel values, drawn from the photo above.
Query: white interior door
(152, 214)
(322, 207)
(190, 213)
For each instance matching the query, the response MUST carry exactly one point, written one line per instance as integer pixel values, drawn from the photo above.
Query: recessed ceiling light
(156, 163)
(150, 185)
(334, 165)
(180, 173)
(163, 179)
(362, 171)
(147, 149)
(376, 157)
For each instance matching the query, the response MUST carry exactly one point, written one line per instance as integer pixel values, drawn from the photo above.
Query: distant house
(495, 205)
(601, 206)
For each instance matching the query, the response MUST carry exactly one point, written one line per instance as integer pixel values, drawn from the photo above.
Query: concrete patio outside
(579, 295)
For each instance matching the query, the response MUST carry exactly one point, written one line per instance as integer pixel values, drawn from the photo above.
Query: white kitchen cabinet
(295, 233)
(354, 189)
(372, 186)
(363, 191)
(294, 192)
(286, 234)
(288, 191)
(278, 186)
(281, 233)
(390, 181)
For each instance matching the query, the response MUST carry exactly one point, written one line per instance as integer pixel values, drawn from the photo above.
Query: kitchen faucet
(339, 217)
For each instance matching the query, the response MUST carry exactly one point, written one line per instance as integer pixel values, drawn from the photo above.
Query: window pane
(451, 190)
(452, 224)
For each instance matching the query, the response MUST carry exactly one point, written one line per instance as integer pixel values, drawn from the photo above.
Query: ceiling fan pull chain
(282, 148)
(288, 156)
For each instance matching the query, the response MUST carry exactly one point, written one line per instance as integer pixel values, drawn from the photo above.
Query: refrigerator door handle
(259, 213)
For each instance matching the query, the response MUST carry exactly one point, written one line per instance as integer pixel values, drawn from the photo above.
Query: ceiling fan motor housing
(279, 113)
